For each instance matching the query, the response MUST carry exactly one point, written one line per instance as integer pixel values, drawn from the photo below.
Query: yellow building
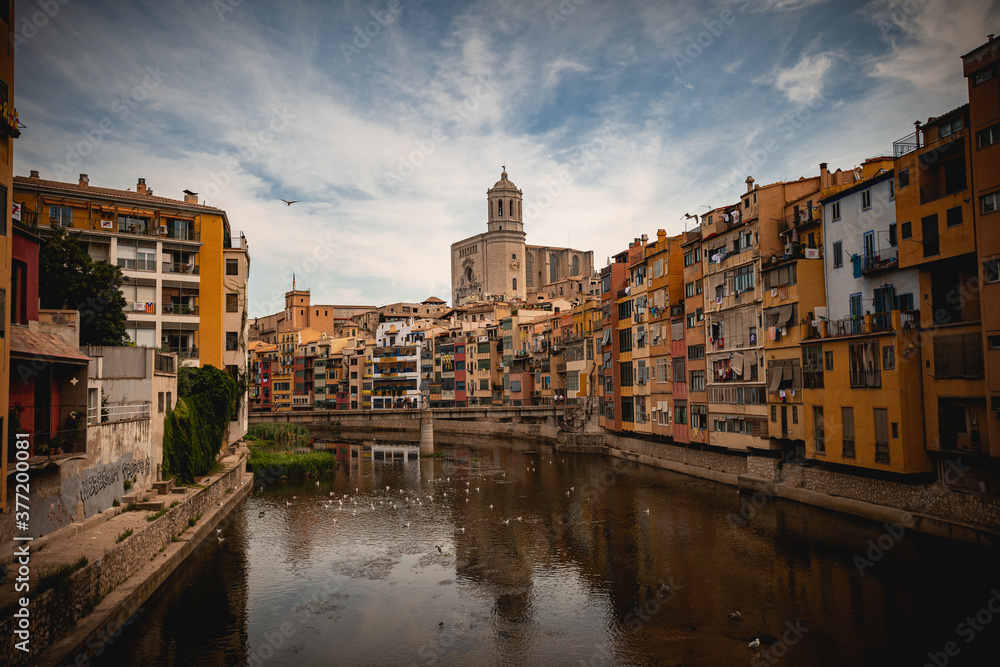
(170, 251)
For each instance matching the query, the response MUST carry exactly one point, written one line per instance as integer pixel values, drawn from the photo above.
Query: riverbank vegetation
(195, 429)
(277, 437)
(270, 458)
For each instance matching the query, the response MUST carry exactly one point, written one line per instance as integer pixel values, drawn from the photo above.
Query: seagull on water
(735, 616)
(755, 643)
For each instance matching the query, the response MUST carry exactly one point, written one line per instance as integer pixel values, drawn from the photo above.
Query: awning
(774, 379)
(28, 344)
(784, 314)
(606, 340)
(738, 363)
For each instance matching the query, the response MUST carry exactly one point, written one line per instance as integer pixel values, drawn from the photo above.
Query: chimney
(140, 187)
(84, 180)
(990, 37)
(190, 197)
(749, 183)
(824, 175)
(34, 173)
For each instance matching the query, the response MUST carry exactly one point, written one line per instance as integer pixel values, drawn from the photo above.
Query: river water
(558, 559)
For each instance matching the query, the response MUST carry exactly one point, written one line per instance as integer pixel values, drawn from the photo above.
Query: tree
(69, 279)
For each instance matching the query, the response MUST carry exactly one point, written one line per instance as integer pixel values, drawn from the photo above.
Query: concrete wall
(56, 611)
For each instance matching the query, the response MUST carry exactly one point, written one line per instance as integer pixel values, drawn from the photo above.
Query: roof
(432, 299)
(883, 175)
(27, 343)
(504, 184)
(92, 191)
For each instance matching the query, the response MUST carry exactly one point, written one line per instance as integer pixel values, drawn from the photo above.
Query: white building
(860, 237)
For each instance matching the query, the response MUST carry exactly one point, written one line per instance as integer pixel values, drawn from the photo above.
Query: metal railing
(949, 185)
(118, 412)
(179, 309)
(189, 268)
(137, 264)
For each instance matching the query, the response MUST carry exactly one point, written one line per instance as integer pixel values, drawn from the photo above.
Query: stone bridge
(404, 425)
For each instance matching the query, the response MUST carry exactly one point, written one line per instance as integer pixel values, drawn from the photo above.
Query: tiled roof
(91, 191)
(27, 343)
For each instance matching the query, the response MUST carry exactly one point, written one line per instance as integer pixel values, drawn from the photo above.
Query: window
(988, 137)
(61, 216)
(893, 240)
(697, 381)
(982, 76)
(680, 412)
(699, 416)
(698, 286)
(232, 267)
(991, 270)
(700, 314)
(864, 364)
(930, 231)
(625, 373)
(690, 318)
(953, 216)
(159, 402)
(812, 367)
(743, 279)
(829, 359)
(232, 302)
(958, 356)
(4, 212)
(625, 340)
(881, 435)
(835, 211)
(688, 258)
(906, 230)
(904, 178)
(232, 340)
(949, 128)
(866, 200)
(892, 189)
(847, 417)
(696, 352)
(678, 365)
(774, 412)
(658, 268)
(819, 426)
(689, 290)
(795, 414)
(838, 254)
(989, 203)
(888, 357)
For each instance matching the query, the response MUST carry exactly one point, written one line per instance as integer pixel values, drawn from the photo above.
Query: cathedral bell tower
(504, 200)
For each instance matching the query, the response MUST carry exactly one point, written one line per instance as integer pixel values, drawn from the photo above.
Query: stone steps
(154, 505)
(163, 488)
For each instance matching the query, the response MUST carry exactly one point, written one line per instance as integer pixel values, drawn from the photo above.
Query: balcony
(951, 184)
(189, 268)
(181, 351)
(137, 264)
(883, 259)
(907, 144)
(117, 413)
(179, 309)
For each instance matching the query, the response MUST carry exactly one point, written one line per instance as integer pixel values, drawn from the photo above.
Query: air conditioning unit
(163, 230)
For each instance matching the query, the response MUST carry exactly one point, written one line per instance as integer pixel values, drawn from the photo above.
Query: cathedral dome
(504, 184)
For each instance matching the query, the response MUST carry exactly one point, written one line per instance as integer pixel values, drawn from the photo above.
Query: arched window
(510, 208)
(528, 267)
(576, 265)
(515, 284)
(500, 208)
(513, 256)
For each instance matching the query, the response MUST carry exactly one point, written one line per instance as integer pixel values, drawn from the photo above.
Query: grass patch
(175, 503)
(157, 515)
(191, 522)
(272, 465)
(174, 538)
(131, 507)
(116, 503)
(59, 577)
(277, 436)
(122, 536)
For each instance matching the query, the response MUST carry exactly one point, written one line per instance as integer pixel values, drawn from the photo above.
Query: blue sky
(390, 119)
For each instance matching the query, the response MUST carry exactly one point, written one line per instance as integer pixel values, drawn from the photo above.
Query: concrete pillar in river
(426, 432)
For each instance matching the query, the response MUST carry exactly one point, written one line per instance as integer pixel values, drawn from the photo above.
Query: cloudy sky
(389, 119)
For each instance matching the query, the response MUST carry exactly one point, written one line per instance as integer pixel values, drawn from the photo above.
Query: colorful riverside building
(689, 342)
(665, 275)
(861, 365)
(980, 67)
(936, 217)
(172, 252)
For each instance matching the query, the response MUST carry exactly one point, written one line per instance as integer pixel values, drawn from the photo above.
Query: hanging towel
(772, 333)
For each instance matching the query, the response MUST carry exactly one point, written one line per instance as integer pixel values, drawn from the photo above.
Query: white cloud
(803, 82)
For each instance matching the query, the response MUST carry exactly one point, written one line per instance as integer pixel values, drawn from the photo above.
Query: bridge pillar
(426, 432)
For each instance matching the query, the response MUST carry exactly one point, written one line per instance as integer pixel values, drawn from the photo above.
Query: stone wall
(707, 460)
(57, 610)
(937, 500)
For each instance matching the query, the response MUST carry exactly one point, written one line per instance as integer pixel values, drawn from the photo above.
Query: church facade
(498, 264)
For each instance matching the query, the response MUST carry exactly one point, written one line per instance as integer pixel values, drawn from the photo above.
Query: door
(869, 245)
(857, 313)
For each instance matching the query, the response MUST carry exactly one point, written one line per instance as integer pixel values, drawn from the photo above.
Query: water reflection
(550, 558)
